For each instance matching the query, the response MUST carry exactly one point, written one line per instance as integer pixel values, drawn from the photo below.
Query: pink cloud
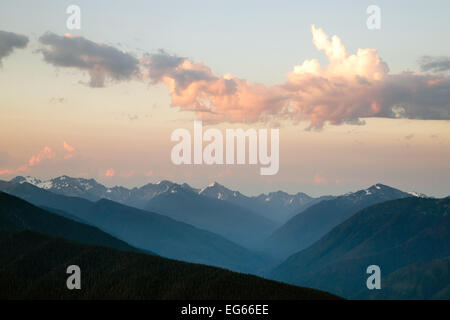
(68, 147)
(6, 172)
(110, 172)
(319, 179)
(22, 168)
(348, 88)
(194, 87)
(46, 153)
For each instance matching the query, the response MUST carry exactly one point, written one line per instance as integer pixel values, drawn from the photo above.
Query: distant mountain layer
(222, 217)
(275, 206)
(145, 230)
(402, 237)
(17, 215)
(33, 266)
(424, 280)
(278, 206)
(310, 225)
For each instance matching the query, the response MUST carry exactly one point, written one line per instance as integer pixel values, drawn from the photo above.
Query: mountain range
(225, 218)
(214, 208)
(275, 206)
(34, 268)
(37, 246)
(310, 225)
(18, 215)
(403, 237)
(423, 280)
(145, 230)
(327, 245)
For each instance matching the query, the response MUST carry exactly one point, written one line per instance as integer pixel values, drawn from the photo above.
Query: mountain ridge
(309, 226)
(34, 267)
(283, 203)
(393, 235)
(18, 215)
(146, 230)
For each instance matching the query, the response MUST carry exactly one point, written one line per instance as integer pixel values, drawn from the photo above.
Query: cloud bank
(194, 87)
(434, 64)
(348, 88)
(10, 41)
(351, 86)
(101, 61)
(45, 154)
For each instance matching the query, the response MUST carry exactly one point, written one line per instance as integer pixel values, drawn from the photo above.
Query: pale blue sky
(256, 40)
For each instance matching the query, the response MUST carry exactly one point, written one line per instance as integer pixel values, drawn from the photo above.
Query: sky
(354, 106)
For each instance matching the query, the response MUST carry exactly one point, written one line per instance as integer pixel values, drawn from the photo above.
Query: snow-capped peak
(31, 180)
(212, 186)
(34, 181)
(216, 190)
(418, 195)
(373, 189)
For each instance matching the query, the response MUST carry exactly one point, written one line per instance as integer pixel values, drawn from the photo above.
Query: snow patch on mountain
(418, 195)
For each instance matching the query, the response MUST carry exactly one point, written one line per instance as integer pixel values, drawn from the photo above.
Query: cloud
(100, 60)
(160, 64)
(110, 172)
(350, 87)
(22, 168)
(10, 41)
(194, 87)
(6, 172)
(434, 64)
(319, 179)
(415, 96)
(68, 147)
(44, 154)
(177, 72)
(343, 91)
(354, 86)
(128, 174)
